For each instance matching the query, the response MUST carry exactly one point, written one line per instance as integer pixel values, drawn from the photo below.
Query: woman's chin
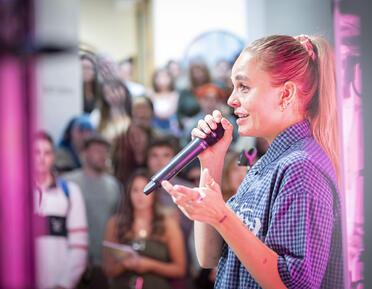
(244, 131)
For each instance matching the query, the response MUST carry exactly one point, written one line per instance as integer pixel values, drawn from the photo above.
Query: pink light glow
(347, 31)
(15, 207)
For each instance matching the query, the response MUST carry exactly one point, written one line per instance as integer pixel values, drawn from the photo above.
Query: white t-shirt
(165, 105)
(61, 260)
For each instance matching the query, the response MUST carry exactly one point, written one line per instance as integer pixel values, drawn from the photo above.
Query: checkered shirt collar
(282, 142)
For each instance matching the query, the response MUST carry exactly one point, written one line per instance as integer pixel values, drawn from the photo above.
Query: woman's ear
(288, 94)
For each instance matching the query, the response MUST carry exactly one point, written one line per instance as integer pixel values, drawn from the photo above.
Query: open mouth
(241, 115)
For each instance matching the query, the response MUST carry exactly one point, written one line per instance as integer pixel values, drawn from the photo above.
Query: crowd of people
(89, 186)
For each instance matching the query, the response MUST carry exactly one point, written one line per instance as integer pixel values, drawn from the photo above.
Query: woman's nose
(233, 100)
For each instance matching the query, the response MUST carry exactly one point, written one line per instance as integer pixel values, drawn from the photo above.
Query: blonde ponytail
(324, 120)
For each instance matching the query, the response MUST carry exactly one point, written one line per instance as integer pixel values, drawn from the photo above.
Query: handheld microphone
(183, 158)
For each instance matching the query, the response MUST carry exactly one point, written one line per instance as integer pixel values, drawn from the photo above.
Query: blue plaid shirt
(289, 201)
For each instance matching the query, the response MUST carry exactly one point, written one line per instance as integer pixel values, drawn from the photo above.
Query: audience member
(101, 193)
(232, 175)
(165, 101)
(68, 153)
(108, 68)
(210, 97)
(142, 111)
(160, 152)
(143, 115)
(155, 237)
(126, 72)
(91, 86)
(187, 104)
(61, 251)
(114, 115)
(192, 172)
(130, 151)
(222, 75)
(175, 70)
(262, 146)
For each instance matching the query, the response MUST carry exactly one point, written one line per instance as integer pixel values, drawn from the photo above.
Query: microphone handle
(182, 159)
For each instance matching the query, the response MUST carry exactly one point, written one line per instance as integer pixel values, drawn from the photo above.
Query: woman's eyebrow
(241, 77)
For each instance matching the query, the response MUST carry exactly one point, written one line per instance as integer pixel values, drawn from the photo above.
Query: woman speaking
(282, 229)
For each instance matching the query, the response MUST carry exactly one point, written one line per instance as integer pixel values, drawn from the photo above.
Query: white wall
(59, 92)
(109, 27)
(58, 75)
(256, 19)
(177, 23)
(300, 17)
(293, 17)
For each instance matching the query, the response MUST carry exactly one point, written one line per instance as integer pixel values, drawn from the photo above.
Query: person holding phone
(156, 238)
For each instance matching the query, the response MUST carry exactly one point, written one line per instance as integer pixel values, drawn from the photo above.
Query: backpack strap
(63, 184)
(64, 187)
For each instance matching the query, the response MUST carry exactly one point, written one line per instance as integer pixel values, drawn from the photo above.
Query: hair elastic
(307, 44)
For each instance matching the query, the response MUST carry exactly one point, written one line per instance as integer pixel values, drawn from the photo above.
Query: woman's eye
(244, 88)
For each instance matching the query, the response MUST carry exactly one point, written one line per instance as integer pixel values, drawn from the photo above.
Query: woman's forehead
(244, 66)
(248, 68)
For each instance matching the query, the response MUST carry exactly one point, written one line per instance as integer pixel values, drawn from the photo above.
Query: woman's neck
(44, 180)
(142, 224)
(143, 215)
(283, 126)
(91, 172)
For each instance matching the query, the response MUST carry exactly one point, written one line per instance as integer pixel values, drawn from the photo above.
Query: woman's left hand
(203, 204)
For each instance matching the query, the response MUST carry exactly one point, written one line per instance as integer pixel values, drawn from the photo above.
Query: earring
(284, 106)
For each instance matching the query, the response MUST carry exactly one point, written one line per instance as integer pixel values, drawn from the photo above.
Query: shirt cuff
(284, 272)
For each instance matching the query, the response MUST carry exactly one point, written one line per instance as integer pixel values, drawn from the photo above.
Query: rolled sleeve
(283, 271)
(301, 226)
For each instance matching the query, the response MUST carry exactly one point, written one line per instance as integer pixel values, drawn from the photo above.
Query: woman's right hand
(138, 264)
(131, 263)
(218, 150)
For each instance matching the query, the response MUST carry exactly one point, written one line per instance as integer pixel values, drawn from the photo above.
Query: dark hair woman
(156, 239)
(91, 85)
(130, 151)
